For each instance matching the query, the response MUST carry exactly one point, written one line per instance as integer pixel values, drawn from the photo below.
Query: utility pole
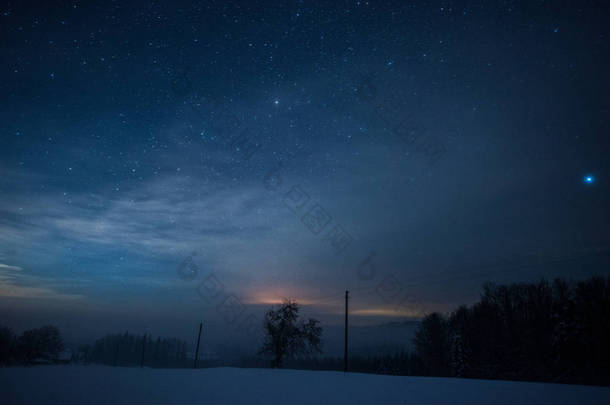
(143, 350)
(345, 352)
(197, 349)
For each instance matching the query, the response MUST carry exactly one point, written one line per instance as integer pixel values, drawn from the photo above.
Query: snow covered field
(116, 385)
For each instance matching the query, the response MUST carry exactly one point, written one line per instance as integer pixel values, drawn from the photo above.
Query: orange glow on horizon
(335, 306)
(385, 312)
(276, 298)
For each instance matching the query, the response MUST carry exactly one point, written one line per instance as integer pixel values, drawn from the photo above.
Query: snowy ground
(116, 385)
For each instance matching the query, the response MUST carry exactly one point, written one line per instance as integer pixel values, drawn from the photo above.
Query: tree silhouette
(286, 336)
(433, 345)
(541, 331)
(7, 345)
(40, 344)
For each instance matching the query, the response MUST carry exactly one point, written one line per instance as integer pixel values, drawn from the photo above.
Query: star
(589, 179)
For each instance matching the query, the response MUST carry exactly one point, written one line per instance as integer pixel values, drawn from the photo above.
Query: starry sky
(166, 162)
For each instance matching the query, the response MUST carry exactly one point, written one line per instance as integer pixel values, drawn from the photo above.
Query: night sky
(167, 162)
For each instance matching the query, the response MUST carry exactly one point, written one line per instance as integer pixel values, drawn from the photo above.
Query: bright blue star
(589, 179)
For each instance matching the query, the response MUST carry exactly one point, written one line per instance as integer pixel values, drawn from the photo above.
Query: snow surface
(117, 385)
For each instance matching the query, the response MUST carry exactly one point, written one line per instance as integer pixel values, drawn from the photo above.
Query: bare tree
(287, 337)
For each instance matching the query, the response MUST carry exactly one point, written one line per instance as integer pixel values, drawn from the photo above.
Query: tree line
(547, 331)
(44, 346)
(134, 350)
(40, 345)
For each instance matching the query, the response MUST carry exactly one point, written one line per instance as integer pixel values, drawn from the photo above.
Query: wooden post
(345, 348)
(197, 349)
(143, 351)
(116, 351)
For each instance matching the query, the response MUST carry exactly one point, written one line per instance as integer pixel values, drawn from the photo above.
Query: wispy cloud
(164, 219)
(7, 267)
(16, 284)
(165, 216)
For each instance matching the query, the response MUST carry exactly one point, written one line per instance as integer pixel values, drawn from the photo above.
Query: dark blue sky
(407, 151)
